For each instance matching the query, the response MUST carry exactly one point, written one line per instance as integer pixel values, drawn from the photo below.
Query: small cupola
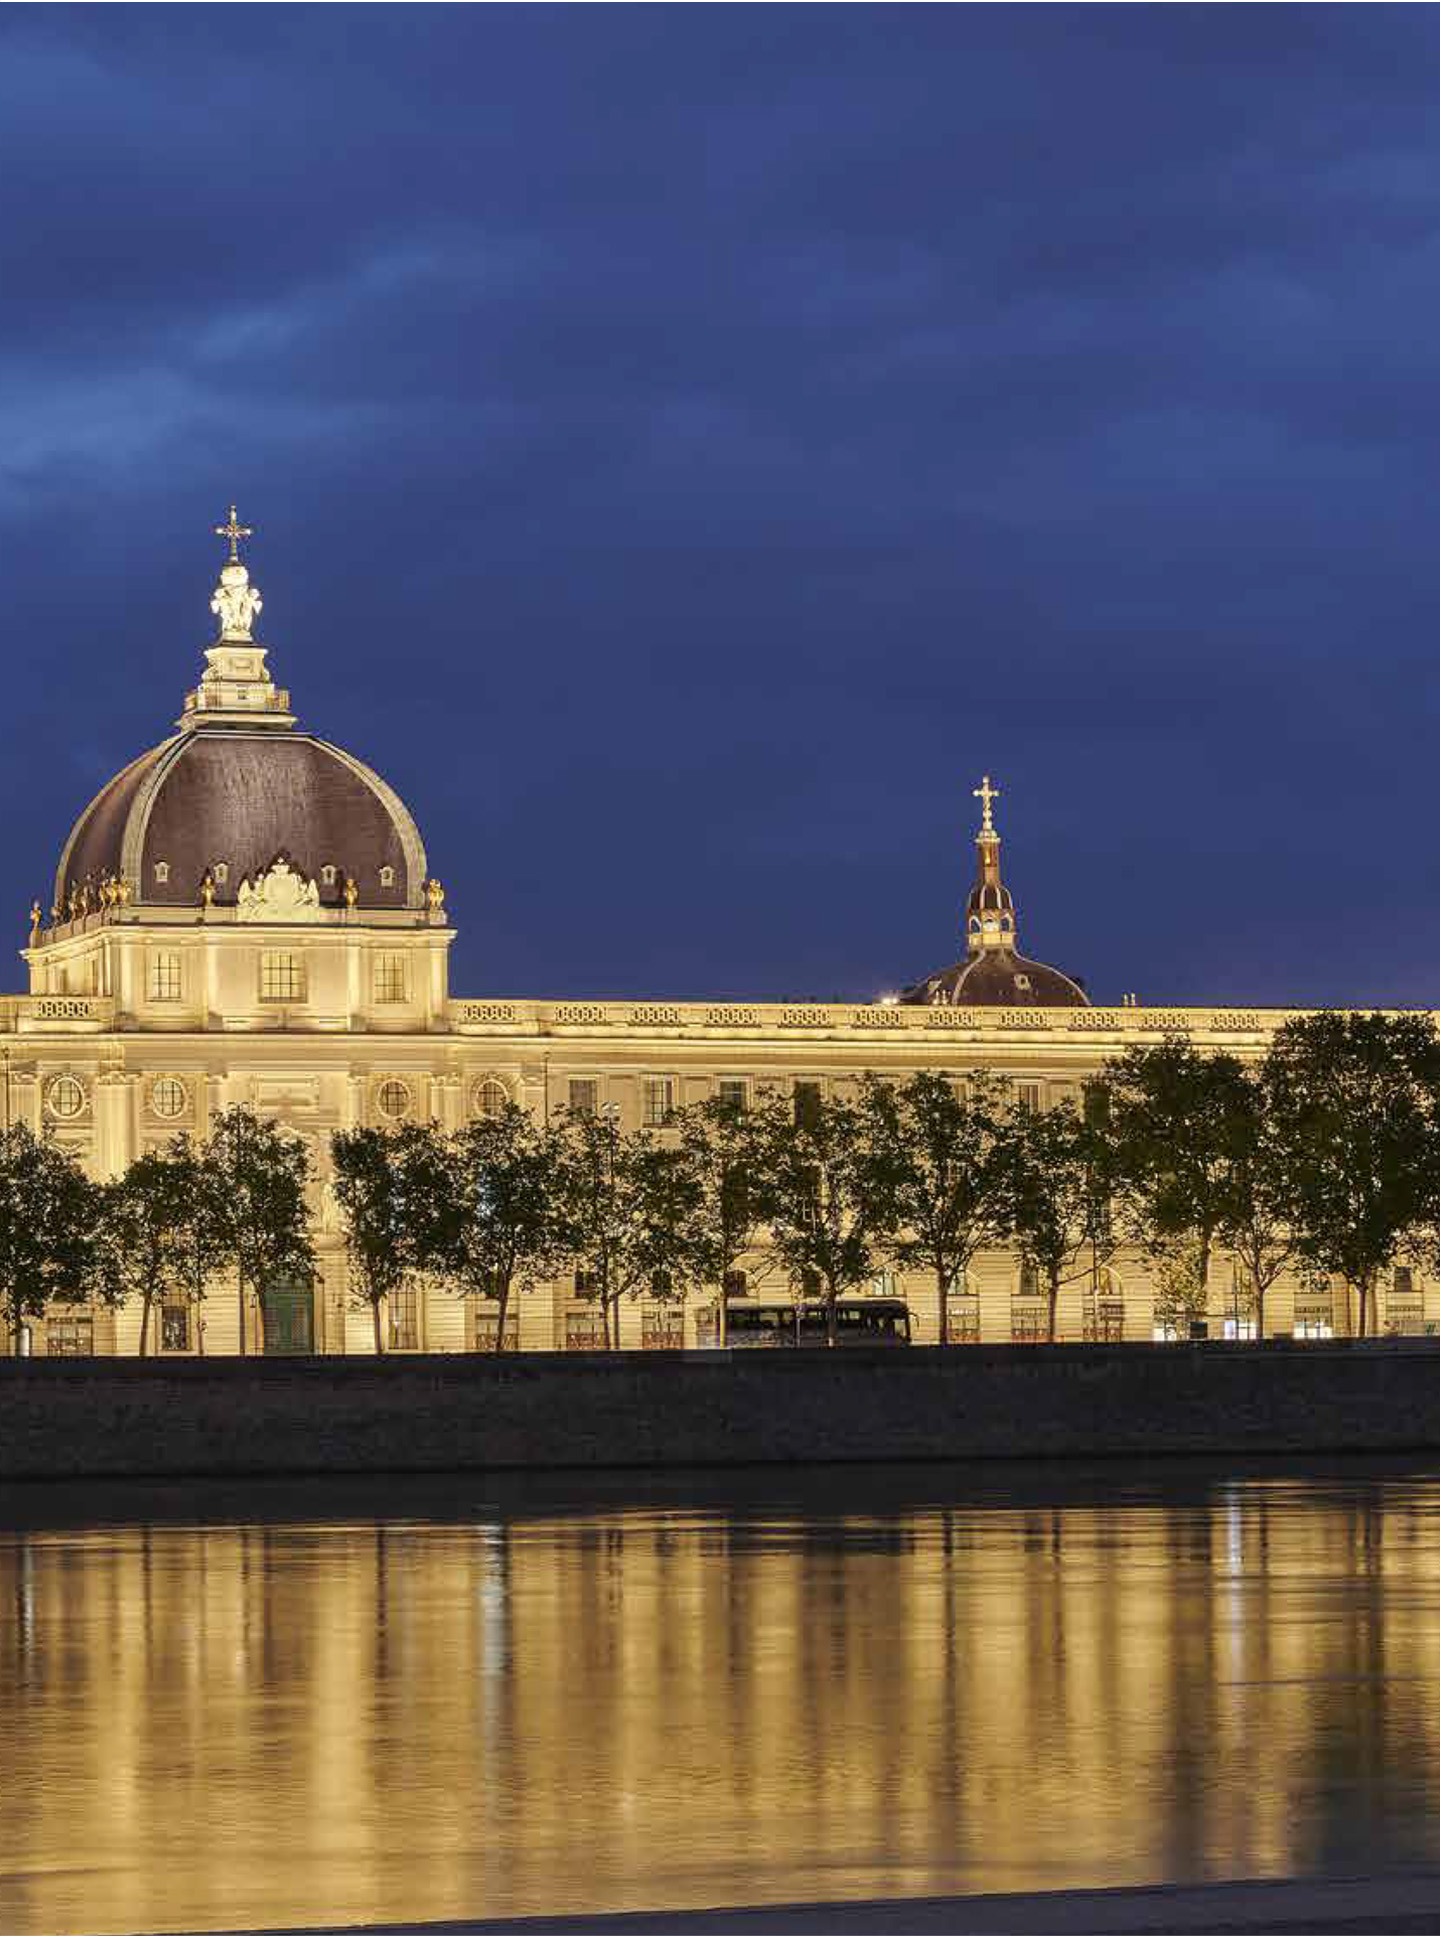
(989, 911)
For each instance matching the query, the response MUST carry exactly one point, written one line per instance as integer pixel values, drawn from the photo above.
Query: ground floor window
(662, 1330)
(584, 1331)
(1241, 1329)
(1028, 1327)
(175, 1327)
(1104, 1321)
(962, 1320)
(404, 1306)
(1314, 1324)
(485, 1327)
(70, 1334)
(1166, 1331)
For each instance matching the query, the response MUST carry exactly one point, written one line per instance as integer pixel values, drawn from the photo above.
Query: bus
(786, 1321)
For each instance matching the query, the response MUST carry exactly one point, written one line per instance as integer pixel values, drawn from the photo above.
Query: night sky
(689, 446)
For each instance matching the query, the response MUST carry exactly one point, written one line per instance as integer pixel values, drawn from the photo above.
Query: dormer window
(387, 876)
(162, 872)
(327, 875)
(1022, 981)
(220, 872)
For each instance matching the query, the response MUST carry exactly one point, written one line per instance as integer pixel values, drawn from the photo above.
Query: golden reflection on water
(250, 1726)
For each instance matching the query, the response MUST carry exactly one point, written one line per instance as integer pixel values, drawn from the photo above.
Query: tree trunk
(145, 1321)
(605, 1319)
(502, 1305)
(1054, 1301)
(1259, 1311)
(240, 1304)
(1363, 1287)
(943, 1285)
(375, 1304)
(830, 1325)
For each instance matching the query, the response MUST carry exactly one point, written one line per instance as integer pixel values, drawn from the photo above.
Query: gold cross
(986, 795)
(234, 531)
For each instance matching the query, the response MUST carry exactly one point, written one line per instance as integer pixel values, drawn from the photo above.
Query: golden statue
(352, 892)
(434, 895)
(207, 889)
(124, 890)
(34, 921)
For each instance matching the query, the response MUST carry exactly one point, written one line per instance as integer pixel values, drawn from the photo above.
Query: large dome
(222, 801)
(237, 790)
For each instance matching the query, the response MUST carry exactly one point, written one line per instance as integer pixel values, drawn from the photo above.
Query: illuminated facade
(245, 914)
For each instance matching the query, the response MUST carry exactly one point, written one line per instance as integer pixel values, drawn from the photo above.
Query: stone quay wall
(115, 1418)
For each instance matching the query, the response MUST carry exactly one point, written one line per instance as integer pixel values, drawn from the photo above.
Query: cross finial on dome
(234, 531)
(987, 795)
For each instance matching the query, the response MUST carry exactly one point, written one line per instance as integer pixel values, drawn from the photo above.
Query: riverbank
(229, 1417)
(1399, 1905)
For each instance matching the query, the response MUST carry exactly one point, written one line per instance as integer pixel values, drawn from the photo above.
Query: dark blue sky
(688, 446)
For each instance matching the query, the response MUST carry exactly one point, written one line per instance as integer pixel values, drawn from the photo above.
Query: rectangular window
(1027, 1095)
(404, 1319)
(70, 1335)
(164, 978)
(282, 978)
(587, 1283)
(584, 1095)
(1096, 1104)
(1029, 1285)
(659, 1101)
(731, 1092)
(584, 1331)
(175, 1327)
(807, 1104)
(390, 978)
(1404, 1282)
(662, 1330)
(485, 1328)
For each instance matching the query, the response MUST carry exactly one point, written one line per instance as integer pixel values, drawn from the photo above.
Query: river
(282, 1704)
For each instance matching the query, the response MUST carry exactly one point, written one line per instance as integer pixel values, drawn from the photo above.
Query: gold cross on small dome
(234, 531)
(986, 795)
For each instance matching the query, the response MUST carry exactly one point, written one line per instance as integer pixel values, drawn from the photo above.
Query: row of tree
(1321, 1158)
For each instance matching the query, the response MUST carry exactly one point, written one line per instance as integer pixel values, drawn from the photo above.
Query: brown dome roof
(238, 799)
(998, 978)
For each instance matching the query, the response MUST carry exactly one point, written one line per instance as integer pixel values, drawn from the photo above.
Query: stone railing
(871, 1021)
(56, 1014)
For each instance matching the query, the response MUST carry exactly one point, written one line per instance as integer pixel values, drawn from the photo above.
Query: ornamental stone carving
(279, 894)
(236, 603)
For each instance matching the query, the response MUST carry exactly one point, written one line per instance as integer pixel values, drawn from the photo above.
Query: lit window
(282, 978)
(164, 978)
(389, 978)
(175, 1327)
(393, 1099)
(659, 1101)
(490, 1098)
(65, 1097)
(404, 1319)
(731, 1092)
(584, 1095)
(70, 1335)
(168, 1097)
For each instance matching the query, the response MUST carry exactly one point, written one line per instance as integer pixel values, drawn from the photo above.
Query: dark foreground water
(363, 1702)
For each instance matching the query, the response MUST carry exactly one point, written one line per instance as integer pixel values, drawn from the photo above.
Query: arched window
(490, 1098)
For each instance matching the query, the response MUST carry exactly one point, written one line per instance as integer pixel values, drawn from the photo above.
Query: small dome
(998, 978)
(229, 803)
(993, 974)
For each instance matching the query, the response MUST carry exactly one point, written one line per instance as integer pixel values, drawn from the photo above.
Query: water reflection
(523, 1709)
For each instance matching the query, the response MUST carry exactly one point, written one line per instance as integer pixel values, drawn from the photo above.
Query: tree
(811, 1188)
(1174, 1115)
(721, 1141)
(626, 1213)
(49, 1213)
(1256, 1198)
(159, 1228)
(935, 1156)
(380, 1183)
(1060, 1181)
(1353, 1101)
(493, 1226)
(258, 1177)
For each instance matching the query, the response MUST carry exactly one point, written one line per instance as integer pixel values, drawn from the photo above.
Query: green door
(289, 1317)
